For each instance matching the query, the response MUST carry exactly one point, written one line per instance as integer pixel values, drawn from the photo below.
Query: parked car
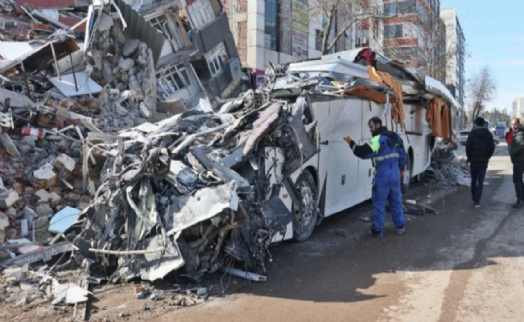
(464, 137)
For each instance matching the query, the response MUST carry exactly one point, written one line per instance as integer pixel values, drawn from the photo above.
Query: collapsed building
(88, 170)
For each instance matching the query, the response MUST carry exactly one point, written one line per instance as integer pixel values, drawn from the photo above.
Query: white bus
(328, 178)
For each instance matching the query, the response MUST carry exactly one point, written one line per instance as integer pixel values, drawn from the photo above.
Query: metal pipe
(56, 62)
(73, 70)
(247, 275)
(25, 80)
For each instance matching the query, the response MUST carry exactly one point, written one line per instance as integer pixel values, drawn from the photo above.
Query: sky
(494, 37)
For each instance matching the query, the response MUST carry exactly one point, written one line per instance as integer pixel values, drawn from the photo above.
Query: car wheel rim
(307, 202)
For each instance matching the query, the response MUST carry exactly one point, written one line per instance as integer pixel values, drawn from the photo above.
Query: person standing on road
(479, 149)
(386, 150)
(517, 158)
(509, 136)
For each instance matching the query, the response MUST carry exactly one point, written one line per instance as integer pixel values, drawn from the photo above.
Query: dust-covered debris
(448, 168)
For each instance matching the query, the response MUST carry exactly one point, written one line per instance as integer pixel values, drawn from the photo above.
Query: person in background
(386, 150)
(509, 136)
(479, 149)
(517, 158)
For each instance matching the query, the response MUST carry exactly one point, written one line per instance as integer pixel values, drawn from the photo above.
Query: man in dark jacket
(479, 149)
(517, 158)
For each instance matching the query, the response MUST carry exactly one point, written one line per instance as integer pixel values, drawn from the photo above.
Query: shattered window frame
(201, 13)
(216, 59)
(171, 79)
(161, 23)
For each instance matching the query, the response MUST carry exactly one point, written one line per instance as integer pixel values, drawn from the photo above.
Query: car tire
(306, 214)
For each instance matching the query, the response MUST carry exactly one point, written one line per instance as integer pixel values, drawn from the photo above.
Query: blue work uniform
(386, 150)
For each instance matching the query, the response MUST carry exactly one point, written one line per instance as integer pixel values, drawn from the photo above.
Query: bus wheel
(406, 179)
(305, 214)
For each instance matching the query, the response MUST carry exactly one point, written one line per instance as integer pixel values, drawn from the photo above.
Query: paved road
(460, 265)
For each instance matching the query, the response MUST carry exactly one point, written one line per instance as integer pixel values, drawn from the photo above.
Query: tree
(482, 89)
(433, 51)
(349, 12)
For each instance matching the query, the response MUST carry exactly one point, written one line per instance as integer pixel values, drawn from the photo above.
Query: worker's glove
(348, 139)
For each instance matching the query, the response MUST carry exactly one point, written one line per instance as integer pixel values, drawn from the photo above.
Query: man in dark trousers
(386, 151)
(517, 158)
(479, 149)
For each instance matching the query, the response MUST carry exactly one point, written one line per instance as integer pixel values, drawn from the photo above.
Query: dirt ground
(459, 265)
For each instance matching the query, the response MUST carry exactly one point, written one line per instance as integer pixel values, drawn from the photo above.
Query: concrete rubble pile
(126, 69)
(448, 168)
(142, 202)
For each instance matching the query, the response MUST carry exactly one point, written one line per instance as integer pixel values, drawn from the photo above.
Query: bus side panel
(337, 162)
(420, 138)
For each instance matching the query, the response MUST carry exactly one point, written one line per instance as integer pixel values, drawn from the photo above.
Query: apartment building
(518, 107)
(283, 31)
(455, 43)
(410, 30)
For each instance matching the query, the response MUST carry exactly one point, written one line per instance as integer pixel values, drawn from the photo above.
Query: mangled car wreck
(200, 191)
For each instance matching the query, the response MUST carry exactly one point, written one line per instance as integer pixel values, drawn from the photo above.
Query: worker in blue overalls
(386, 150)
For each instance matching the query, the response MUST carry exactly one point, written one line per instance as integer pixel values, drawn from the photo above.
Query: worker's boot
(401, 231)
(518, 204)
(375, 233)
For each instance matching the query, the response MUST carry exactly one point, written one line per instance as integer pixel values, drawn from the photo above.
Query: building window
(271, 24)
(393, 31)
(216, 59)
(173, 79)
(390, 8)
(401, 7)
(319, 36)
(201, 13)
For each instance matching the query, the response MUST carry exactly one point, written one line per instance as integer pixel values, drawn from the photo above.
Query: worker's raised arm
(365, 151)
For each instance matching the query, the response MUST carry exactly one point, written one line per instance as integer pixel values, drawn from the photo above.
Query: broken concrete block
(8, 198)
(11, 212)
(41, 225)
(106, 22)
(29, 140)
(4, 221)
(126, 64)
(54, 198)
(25, 149)
(9, 145)
(44, 177)
(2, 235)
(130, 47)
(64, 165)
(41, 196)
(44, 209)
(10, 233)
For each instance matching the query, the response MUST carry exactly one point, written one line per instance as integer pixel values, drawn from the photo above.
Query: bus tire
(406, 179)
(305, 215)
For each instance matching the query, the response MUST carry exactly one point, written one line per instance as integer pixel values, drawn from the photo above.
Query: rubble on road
(448, 168)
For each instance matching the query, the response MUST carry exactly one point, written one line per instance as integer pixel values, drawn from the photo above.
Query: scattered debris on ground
(448, 168)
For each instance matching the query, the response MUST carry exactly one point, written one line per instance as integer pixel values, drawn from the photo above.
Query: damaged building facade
(199, 58)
